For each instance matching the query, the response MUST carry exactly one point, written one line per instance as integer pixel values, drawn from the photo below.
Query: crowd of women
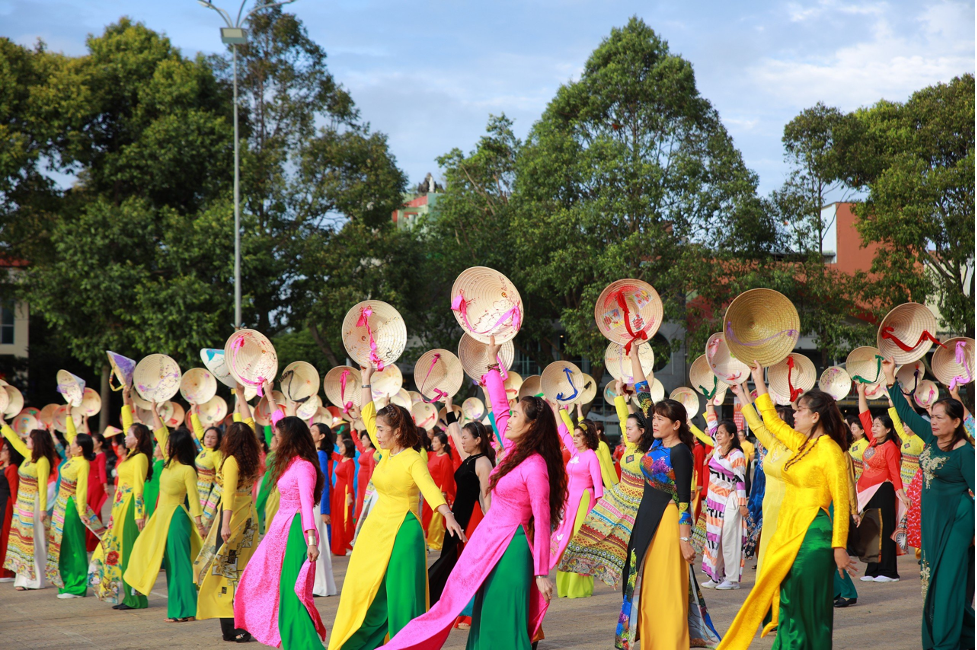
(244, 524)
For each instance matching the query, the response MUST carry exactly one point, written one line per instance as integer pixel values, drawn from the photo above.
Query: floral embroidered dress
(27, 544)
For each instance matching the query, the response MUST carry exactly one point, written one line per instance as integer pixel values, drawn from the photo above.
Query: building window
(6, 325)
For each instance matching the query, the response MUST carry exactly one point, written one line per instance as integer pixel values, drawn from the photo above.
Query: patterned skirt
(218, 567)
(20, 545)
(56, 533)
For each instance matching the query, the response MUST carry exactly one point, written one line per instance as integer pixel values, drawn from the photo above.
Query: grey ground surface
(886, 616)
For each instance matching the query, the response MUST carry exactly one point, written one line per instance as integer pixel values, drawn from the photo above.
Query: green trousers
(181, 593)
(73, 561)
(807, 593)
(844, 587)
(294, 623)
(130, 531)
(502, 602)
(403, 593)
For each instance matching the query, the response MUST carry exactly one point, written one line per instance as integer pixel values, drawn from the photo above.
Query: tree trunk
(326, 350)
(105, 392)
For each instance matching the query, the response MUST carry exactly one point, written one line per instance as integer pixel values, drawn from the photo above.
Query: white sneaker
(726, 584)
(7, 579)
(67, 596)
(886, 579)
(867, 578)
(708, 585)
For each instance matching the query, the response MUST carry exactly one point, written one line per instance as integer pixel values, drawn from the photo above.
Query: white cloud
(801, 13)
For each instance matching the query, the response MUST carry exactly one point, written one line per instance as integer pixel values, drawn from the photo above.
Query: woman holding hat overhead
(500, 567)
(387, 584)
(947, 518)
(809, 545)
(10, 462)
(206, 463)
(27, 545)
(880, 485)
(169, 540)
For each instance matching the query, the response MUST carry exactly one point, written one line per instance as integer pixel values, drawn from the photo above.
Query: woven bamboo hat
(720, 395)
(927, 393)
(628, 311)
(911, 326)
(374, 333)
(46, 416)
(443, 415)
(387, 382)
(60, 419)
(172, 414)
(688, 398)
(262, 412)
(910, 375)
(486, 304)
(618, 363)
(157, 378)
(140, 403)
(657, 391)
(875, 391)
(4, 399)
(793, 376)
(415, 397)
(402, 398)
(609, 392)
(512, 383)
(212, 411)
(727, 367)
(561, 382)
(778, 399)
(864, 365)
(703, 380)
(342, 387)
(15, 401)
(24, 422)
(835, 381)
(530, 387)
(299, 381)
(474, 357)
(122, 368)
(307, 409)
(250, 358)
(425, 415)
(111, 431)
(214, 362)
(91, 402)
(953, 364)
(761, 325)
(198, 385)
(473, 409)
(71, 387)
(438, 374)
(589, 390)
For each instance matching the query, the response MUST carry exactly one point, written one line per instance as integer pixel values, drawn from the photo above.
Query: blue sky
(429, 73)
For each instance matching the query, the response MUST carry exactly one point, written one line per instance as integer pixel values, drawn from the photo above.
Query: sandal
(20, 588)
(243, 637)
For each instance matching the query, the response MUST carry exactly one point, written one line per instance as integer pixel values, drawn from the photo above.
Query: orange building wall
(851, 257)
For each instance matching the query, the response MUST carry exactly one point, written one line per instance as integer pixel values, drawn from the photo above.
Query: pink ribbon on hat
(438, 393)
(460, 305)
(642, 333)
(235, 346)
(960, 356)
(342, 392)
(364, 321)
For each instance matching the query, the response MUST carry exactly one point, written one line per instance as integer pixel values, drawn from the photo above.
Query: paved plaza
(886, 616)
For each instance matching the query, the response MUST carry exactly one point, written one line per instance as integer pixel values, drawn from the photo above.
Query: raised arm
(71, 432)
(14, 440)
(242, 410)
(864, 415)
(495, 390)
(564, 425)
(454, 429)
(368, 410)
(126, 410)
(161, 433)
(906, 413)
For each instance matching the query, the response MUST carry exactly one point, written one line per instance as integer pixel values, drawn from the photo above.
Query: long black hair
(443, 439)
(43, 447)
(647, 433)
(830, 420)
(480, 432)
(890, 429)
(328, 442)
(220, 437)
(12, 453)
(295, 441)
(87, 445)
(181, 448)
(144, 445)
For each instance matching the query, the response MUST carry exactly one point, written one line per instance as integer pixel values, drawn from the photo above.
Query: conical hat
(140, 403)
(198, 385)
(307, 409)
(657, 391)
(4, 399)
(875, 391)
(703, 380)
(474, 357)
(111, 431)
(214, 361)
(425, 415)
(46, 416)
(530, 387)
(864, 365)
(728, 368)
(171, 413)
(374, 333)
(337, 416)
(927, 393)
(33, 410)
(262, 412)
(473, 409)
(157, 378)
(91, 402)
(910, 375)
(438, 374)
(720, 395)
(250, 358)
(212, 411)
(60, 420)
(443, 415)
(836, 382)
(23, 423)
(953, 364)
(793, 376)
(122, 368)
(761, 325)
(561, 382)
(589, 390)
(689, 399)
(911, 326)
(486, 304)
(15, 401)
(415, 397)
(512, 384)
(323, 416)
(609, 392)
(778, 399)
(71, 387)
(387, 382)
(402, 398)
(342, 387)
(628, 311)
(299, 381)
(143, 416)
(618, 363)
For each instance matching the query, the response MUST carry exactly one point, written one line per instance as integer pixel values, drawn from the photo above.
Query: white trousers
(730, 560)
(325, 584)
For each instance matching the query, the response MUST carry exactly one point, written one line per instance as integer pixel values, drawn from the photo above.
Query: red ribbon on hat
(794, 392)
(460, 305)
(641, 334)
(364, 321)
(887, 333)
(438, 393)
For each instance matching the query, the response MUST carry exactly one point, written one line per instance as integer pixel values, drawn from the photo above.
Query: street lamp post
(235, 34)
